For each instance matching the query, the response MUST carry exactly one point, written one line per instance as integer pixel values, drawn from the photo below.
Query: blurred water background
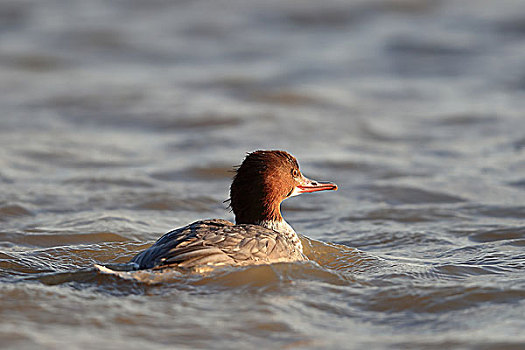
(121, 120)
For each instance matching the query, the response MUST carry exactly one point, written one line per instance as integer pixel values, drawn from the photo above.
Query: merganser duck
(260, 235)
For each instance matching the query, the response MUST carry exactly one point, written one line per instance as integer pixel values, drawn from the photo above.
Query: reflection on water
(122, 120)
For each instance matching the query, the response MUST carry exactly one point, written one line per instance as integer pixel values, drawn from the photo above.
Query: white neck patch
(285, 229)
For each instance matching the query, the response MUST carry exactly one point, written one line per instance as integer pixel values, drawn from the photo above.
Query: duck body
(260, 235)
(219, 242)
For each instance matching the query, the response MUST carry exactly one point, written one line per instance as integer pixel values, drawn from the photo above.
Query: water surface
(122, 120)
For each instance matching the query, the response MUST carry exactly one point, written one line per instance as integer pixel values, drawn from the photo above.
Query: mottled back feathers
(218, 242)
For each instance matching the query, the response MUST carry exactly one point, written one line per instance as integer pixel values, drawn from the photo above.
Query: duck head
(263, 181)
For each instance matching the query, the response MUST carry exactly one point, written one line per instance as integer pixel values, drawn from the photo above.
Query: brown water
(121, 120)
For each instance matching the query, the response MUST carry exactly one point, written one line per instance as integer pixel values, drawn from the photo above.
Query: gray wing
(217, 242)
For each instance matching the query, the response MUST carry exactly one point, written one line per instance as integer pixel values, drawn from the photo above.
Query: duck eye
(295, 173)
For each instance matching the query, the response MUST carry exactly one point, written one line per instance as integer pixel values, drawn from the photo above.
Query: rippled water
(121, 120)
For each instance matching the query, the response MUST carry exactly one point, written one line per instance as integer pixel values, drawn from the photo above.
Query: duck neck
(285, 229)
(267, 214)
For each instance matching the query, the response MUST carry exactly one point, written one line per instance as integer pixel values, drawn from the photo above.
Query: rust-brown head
(263, 181)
